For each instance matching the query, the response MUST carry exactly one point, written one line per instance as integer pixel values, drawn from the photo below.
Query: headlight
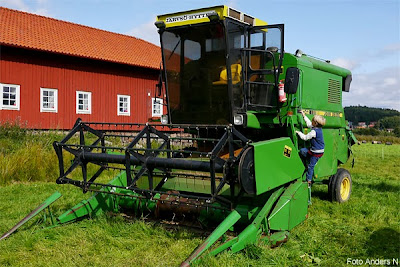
(238, 119)
(164, 119)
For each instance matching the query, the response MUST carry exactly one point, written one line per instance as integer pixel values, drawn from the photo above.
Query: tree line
(386, 119)
(357, 114)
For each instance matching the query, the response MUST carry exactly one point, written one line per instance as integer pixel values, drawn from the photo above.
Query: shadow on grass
(384, 243)
(381, 186)
(321, 192)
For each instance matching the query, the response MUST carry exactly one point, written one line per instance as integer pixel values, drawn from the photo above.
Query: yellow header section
(201, 15)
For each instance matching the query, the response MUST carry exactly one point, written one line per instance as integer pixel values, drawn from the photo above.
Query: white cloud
(36, 7)
(41, 11)
(15, 4)
(146, 31)
(377, 89)
(389, 81)
(345, 63)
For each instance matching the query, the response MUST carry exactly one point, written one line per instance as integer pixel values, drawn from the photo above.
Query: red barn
(52, 72)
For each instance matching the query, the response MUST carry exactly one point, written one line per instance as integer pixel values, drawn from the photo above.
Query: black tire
(340, 186)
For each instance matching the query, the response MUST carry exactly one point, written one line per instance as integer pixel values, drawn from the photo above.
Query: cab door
(263, 54)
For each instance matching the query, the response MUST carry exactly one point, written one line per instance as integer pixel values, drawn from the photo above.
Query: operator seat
(236, 70)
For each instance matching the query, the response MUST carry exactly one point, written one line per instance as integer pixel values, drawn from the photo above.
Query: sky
(360, 35)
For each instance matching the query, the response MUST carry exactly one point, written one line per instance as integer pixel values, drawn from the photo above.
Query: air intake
(334, 91)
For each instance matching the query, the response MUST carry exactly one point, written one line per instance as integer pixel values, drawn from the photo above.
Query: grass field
(366, 227)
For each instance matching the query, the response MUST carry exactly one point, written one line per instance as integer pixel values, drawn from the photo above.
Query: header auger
(226, 151)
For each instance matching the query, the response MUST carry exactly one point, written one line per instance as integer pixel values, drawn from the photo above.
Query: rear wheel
(340, 186)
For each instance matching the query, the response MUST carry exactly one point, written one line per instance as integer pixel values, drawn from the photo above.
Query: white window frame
(89, 110)
(43, 109)
(122, 113)
(154, 113)
(17, 97)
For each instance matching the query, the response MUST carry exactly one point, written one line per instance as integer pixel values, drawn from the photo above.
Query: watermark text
(373, 262)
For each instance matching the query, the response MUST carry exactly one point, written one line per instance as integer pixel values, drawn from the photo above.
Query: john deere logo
(287, 151)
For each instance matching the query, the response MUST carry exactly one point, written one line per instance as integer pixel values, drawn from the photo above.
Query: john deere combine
(226, 151)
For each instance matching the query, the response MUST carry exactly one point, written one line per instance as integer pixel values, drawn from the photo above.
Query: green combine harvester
(226, 152)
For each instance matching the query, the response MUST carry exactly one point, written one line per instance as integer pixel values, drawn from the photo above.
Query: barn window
(157, 107)
(124, 105)
(83, 102)
(10, 96)
(48, 100)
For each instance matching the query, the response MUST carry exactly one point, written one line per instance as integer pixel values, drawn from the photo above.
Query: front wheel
(340, 186)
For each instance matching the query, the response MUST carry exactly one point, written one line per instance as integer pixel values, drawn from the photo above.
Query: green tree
(390, 122)
(396, 131)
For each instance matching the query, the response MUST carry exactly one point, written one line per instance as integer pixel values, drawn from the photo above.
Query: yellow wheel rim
(345, 188)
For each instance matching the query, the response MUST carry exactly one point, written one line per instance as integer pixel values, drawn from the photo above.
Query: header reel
(156, 163)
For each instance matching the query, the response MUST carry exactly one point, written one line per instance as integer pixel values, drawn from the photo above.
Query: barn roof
(32, 31)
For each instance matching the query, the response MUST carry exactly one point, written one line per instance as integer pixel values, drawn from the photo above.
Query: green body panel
(324, 66)
(342, 146)
(291, 208)
(252, 121)
(327, 164)
(272, 167)
(319, 90)
(314, 94)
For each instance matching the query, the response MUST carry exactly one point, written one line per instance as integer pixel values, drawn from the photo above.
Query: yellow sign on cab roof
(201, 15)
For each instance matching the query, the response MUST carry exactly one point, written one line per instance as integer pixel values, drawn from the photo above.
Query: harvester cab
(226, 152)
(219, 64)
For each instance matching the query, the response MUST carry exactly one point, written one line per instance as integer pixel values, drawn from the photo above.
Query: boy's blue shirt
(317, 143)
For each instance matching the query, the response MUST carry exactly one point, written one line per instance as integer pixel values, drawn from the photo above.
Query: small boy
(317, 143)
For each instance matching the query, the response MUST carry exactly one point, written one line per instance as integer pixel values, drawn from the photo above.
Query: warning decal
(287, 151)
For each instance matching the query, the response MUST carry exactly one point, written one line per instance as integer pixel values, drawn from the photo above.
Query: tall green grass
(26, 156)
